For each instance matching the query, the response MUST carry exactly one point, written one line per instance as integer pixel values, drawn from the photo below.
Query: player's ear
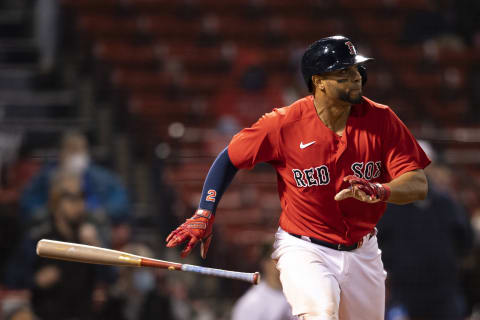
(317, 82)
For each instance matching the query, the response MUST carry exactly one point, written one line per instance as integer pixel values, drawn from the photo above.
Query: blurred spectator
(264, 301)
(60, 289)
(158, 300)
(181, 305)
(423, 244)
(166, 201)
(21, 313)
(138, 293)
(472, 274)
(104, 193)
(17, 173)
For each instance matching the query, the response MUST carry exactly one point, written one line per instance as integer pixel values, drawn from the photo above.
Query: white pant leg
(331, 284)
(308, 278)
(363, 284)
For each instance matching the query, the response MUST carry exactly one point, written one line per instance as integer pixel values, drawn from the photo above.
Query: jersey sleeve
(255, 144)
(401, 151)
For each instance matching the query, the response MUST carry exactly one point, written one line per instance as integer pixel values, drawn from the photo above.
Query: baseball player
(339, 157)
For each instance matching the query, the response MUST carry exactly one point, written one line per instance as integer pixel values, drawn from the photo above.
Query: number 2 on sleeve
(211, 195)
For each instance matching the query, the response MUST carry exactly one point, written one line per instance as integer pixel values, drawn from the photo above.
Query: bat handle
(244, 276)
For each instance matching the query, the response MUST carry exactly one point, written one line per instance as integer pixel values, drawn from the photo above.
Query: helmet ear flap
(363, 72)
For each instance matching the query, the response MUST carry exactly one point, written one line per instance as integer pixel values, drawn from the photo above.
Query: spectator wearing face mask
(60, 289)
(264, 301)
(105, 195)
(139, 293)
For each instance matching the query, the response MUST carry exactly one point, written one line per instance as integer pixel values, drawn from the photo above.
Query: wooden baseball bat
(96, 255)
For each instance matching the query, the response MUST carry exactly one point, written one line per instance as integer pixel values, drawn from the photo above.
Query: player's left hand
(196, 229)
(363, 190)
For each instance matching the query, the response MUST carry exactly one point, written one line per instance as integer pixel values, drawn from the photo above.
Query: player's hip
(366, 253)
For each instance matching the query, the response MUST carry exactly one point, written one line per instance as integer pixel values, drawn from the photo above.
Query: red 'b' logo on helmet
(351, 48)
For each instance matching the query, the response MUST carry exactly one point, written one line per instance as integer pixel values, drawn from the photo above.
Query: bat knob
(256, 277)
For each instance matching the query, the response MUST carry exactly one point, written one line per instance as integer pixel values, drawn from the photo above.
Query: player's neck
(333, 114)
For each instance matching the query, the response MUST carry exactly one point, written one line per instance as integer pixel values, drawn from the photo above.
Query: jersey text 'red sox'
(311, 161)
(320, 175)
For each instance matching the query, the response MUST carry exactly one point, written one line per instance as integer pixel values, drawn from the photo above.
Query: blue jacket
(103, 190)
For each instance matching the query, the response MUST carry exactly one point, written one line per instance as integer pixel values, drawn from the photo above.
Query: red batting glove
(197, 228)
(373, 190)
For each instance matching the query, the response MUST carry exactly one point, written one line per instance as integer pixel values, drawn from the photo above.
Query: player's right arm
(248, 147)
(199, 226)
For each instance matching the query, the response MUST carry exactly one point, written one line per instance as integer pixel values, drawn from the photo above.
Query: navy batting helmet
(330, 54)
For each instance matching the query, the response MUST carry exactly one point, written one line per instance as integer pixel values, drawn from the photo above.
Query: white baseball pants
(328, 284)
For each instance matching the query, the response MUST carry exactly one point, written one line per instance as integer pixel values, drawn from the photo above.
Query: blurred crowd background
(111, 112)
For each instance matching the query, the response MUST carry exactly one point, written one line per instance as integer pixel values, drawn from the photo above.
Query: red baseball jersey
(311, 161)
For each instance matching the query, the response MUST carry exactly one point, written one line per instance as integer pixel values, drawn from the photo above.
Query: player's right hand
(196, 229)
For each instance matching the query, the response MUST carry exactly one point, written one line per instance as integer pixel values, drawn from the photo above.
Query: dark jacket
(71, 296)
(422, 244)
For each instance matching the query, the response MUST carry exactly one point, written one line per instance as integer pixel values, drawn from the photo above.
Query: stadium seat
(107, 26)
(139, 80)
(122, 53)
(170, 27)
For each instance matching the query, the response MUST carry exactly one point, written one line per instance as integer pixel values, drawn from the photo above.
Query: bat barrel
(84, 253)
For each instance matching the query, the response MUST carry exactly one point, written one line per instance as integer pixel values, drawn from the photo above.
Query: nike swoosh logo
(303, 146)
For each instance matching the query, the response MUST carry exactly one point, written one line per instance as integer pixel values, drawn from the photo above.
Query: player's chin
(355, 96)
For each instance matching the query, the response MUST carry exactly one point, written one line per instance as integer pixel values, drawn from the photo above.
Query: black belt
(339, 246)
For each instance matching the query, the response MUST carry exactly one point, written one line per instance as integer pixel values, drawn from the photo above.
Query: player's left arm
(403, 161)
(408, 187)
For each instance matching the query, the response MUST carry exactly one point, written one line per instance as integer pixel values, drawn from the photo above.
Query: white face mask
(77, 163)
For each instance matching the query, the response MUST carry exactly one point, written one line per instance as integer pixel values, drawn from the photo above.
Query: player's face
(344, 85)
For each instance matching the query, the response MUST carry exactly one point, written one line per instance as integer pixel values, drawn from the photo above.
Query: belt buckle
(339, 247)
